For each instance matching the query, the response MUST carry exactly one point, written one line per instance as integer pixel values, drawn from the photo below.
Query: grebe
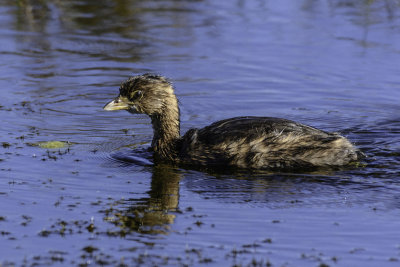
(241, 142)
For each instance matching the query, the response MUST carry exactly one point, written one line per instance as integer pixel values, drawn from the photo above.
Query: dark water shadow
(140, 157)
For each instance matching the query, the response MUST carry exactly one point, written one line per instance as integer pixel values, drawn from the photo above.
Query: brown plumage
(242, 142)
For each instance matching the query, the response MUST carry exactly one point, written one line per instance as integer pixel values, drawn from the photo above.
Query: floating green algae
(52, 144)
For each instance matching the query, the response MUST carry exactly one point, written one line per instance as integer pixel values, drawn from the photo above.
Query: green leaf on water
(52, 144)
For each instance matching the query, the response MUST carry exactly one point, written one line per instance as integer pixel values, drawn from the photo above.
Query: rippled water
(330, 64)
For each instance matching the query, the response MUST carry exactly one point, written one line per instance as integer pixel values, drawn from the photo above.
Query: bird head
(145, 94)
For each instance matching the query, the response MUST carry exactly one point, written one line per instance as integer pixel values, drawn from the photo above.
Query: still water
(332, 64)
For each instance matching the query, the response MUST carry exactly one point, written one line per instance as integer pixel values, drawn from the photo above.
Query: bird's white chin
(133, 109)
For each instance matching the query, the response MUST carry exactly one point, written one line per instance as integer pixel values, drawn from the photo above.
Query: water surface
(329, 64)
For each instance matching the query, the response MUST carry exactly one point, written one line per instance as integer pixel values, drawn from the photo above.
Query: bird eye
(137, 95)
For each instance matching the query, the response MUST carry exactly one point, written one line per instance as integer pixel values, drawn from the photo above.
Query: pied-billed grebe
(243, 142)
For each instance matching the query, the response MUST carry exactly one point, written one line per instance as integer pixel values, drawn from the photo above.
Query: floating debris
(5, 144)
(52, 144)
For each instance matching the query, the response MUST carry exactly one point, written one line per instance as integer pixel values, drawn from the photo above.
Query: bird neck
(166, 127)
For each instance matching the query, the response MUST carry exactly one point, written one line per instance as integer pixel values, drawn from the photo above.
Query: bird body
(264, 143)
(241, 142)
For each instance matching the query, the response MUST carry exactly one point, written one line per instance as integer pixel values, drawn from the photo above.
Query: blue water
(330, 64)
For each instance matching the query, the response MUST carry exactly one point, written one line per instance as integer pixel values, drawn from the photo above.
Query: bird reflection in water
(152, 215)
